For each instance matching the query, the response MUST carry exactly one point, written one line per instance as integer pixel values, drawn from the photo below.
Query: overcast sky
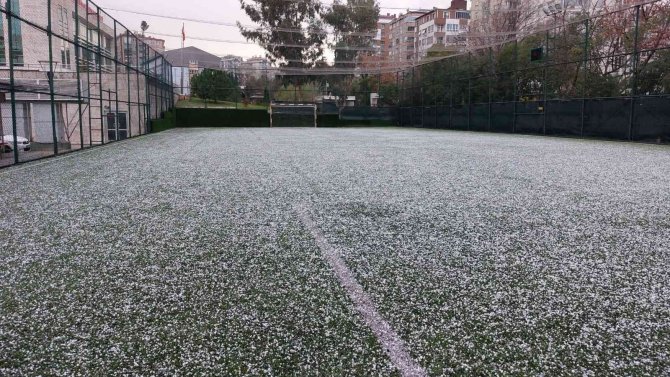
(216, 10)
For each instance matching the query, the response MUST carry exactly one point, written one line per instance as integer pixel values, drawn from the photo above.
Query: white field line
(393, 345)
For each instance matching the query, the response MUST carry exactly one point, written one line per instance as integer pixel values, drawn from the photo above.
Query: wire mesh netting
(73, 77)
(293, 115)
(604, 76)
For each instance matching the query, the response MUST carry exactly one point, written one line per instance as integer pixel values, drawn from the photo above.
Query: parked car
(7, 144)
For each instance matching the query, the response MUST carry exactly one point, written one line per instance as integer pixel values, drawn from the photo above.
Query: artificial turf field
(312, 251)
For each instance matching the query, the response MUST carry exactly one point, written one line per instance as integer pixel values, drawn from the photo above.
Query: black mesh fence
(72, 77)
(607, 118)
(603, 75)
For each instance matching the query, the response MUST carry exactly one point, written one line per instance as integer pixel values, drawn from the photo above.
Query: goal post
(293, 115)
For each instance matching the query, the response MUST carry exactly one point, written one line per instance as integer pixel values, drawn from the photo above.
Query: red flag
(183, 33)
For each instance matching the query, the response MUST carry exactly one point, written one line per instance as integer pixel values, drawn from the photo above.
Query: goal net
(293, 115)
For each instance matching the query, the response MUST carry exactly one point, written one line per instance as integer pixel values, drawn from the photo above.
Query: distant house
(187, 62)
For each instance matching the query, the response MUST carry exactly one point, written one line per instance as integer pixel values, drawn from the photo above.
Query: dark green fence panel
(530, 117)
(443, 117)
(459, 118)
(429, 117)
(652, 119)
(564, 118)
(479, 117)
(607, 118)
(417, 116)
(502, 117)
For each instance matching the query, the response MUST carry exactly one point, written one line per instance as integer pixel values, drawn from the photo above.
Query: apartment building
(403, 30)
(113, 97)
(156, 44)
(257, 67)
(442, 27)
(231, 63)
(382, 40)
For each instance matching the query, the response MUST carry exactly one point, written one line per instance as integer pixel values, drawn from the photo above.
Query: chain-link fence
(73, 77)
(606, 76)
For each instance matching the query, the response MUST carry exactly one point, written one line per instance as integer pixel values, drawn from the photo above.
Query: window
(452, 27)
(64, 25)
(410, 28)
(3, 58)
(462, 14)
(17, 42)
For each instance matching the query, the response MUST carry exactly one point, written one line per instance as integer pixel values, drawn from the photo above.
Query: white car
(7, 143)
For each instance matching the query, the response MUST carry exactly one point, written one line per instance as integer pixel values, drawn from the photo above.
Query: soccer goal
(293, 115)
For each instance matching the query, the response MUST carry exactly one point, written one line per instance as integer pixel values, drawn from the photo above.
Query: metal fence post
(137, 82)
(397, 85)
(544, 87)
(77, 58)
(88, 76)
(50, 76)
(423, 108)
(12, 84)
(116, 77)
(413, 94)
(128, 54)
(516, 83)
(636, 57)
(469, 89)
(585, 74)
(451, 103)
(98, 51)
(492, 75)
(147, 94)
(436, 101)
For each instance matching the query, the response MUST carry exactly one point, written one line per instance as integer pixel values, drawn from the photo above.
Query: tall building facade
(442, 27)
(382, 39)
(98, 73)
(403, 32)
(231, 63)
(155, 43)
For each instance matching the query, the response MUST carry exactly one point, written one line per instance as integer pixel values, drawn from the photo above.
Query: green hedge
(222, 118)
(169, 121)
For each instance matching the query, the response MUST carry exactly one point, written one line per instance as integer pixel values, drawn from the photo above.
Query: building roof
(182, 56)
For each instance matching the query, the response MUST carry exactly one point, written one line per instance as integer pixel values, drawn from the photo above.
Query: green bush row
(222, 118)
(256, 118)
(168, 121)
